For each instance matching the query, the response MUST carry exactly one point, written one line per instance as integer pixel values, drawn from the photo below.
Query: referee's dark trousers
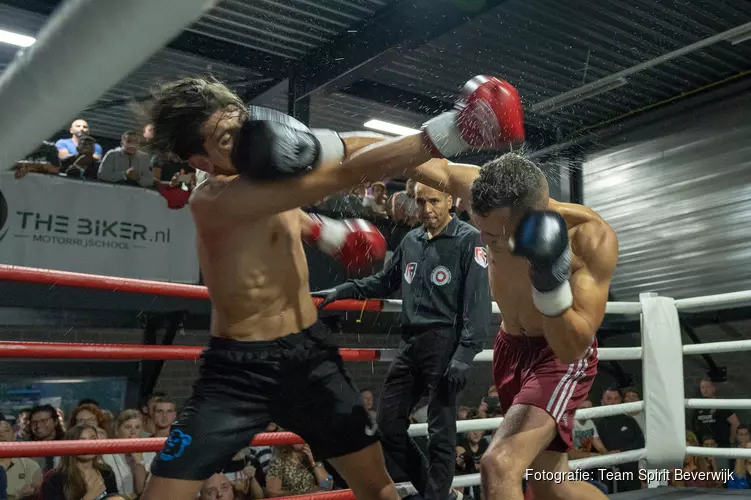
(419, 367)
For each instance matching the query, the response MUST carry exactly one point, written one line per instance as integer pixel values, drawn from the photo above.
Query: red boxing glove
(356, 243)
(488, 115)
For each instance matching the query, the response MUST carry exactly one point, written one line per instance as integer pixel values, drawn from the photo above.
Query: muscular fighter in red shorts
(550, 269)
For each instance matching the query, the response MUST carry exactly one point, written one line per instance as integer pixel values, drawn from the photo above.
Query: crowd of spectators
(265, 472)
(81, 157)
(708, 428)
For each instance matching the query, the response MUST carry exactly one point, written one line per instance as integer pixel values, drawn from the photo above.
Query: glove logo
(481, 256)
(409, 272)
(440, 276)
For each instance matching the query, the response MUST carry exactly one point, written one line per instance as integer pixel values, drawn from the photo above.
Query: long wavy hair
(75, 484)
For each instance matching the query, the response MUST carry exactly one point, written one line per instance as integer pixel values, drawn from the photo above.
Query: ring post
(662, 368)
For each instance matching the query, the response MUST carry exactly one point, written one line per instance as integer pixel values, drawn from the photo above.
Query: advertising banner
(59, 223)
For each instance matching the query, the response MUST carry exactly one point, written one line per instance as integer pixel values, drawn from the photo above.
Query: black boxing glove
(271, 145)
(542, 238)
(341, 292)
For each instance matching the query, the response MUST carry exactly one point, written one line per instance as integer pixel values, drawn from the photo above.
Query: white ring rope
(717, 347)
(82, 51)
(487, 424)
(693, 304)
(395, 306)
(716, 404)
(700, 451)
(711, 302)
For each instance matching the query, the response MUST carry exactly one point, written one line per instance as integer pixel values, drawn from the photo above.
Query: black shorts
(298, 382)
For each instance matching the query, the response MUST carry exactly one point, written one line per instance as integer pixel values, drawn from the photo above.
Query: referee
(441, 270)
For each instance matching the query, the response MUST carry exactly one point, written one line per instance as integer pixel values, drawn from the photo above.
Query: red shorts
(526, 372)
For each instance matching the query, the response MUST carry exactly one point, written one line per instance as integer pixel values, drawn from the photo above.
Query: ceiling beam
(391, 32)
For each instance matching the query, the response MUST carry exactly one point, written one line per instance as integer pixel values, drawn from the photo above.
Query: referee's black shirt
(443, 282)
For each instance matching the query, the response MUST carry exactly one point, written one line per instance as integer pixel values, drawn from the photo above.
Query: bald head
(79, 127)
(217, 487)
(434, 207)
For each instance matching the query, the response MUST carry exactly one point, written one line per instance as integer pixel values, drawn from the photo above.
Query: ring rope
(115, 284)
(649, 307)
(699, 451)
(716, 404)
(62, 350)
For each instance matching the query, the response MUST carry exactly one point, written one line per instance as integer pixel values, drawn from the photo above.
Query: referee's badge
(409, 272)
(481, 256)
(440, 276)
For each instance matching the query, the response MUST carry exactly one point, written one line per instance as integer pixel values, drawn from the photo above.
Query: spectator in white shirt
(131, 469)
(127, 164)
(586, 439)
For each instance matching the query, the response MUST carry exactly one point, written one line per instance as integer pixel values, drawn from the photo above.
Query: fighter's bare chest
(512, 290)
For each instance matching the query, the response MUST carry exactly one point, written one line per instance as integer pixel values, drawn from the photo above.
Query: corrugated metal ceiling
(545, 48)
(548, 47)
(286, 28)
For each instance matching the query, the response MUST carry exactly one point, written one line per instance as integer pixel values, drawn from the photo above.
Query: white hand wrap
(331, 234)
(332, 146)
(444, 134)
(555, 302)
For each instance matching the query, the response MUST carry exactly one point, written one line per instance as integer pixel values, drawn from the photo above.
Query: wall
(678, 192)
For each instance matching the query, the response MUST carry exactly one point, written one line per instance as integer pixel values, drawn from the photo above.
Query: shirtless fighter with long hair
(269, 358)
(550, 266)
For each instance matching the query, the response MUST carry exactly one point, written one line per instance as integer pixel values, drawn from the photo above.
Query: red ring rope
(62, 350)
(117, 446)
(113, 284)
(328, 495)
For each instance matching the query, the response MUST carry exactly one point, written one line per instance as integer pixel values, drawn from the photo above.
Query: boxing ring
(661, 353)
(30, 90)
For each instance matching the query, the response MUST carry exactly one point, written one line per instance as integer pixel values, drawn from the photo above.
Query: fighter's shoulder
(592, 238)
(205, 193)
(596, 243)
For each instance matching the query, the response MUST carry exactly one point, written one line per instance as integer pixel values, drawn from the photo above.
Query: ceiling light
(16, 39)
(390, 128)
